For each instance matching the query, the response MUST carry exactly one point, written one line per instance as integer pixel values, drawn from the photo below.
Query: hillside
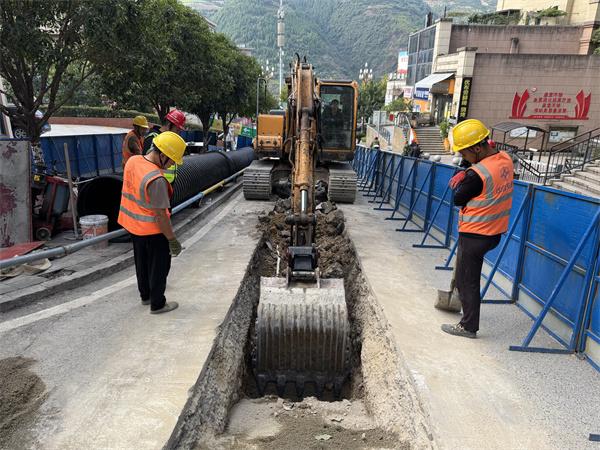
(338, 36)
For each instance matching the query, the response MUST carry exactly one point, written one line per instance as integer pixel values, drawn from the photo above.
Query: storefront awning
(428, 82)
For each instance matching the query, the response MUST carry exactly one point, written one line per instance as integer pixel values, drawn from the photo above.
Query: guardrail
(548, 263)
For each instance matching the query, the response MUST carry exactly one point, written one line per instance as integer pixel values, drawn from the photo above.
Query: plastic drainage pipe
(72, 248)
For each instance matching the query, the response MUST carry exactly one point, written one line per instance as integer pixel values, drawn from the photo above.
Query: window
(337, 116)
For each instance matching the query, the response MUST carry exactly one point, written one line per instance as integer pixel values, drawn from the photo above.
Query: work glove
(457, 179)
(175, 247)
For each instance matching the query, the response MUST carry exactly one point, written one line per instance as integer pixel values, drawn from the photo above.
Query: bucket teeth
(281, 385)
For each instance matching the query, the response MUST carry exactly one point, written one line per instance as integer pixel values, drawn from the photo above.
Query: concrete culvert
(379, 407)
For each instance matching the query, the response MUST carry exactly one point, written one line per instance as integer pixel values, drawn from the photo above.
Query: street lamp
(365, 75)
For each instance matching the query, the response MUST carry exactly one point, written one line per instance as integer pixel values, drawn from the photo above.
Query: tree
(371, 97)
(400, 105)
(48, 50)
(170, 53)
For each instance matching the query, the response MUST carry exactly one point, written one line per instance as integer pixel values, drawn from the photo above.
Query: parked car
(18, 130)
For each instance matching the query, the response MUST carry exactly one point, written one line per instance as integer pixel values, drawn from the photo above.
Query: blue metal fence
(90, 155)
(548, 263)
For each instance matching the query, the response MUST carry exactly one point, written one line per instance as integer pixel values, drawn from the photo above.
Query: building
(543, 76)
(396, 83)
(538, 12)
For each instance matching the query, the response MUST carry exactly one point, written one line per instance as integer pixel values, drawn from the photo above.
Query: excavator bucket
(302, 336)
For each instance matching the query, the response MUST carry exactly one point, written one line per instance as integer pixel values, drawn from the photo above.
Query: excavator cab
(339, 103)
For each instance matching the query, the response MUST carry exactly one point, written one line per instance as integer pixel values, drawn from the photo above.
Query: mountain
(337, 36)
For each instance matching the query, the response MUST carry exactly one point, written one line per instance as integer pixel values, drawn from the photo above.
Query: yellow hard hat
(468, 133)
(140, 121)
(171, 145)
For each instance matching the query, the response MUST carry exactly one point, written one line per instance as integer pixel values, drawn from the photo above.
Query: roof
(505, 127)
(432, 79)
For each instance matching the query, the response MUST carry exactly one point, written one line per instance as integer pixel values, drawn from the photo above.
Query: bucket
(94, 225)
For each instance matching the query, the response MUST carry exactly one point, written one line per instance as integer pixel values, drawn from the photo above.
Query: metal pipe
(303, 201)
(71, 248)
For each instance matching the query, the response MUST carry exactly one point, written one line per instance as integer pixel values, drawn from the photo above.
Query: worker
(375, 143)
(133, 144)
(414, 149)
(484, 193)
(145, 214)
(174, 121)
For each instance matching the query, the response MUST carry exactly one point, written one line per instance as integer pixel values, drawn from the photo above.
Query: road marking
(87, 299)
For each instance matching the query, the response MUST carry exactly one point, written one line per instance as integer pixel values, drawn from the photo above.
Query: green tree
(399, 105)
(169, 54)
(371, 97)
(48, 50)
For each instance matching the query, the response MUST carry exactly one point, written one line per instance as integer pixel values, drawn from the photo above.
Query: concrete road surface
(116, 376)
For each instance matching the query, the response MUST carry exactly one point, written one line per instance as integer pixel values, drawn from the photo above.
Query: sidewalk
(115, 376)
(90, 264)
(479, 395)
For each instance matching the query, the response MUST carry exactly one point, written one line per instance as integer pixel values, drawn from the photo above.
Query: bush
(102, 111)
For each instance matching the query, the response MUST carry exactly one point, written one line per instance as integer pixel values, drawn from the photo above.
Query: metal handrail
(561, 146)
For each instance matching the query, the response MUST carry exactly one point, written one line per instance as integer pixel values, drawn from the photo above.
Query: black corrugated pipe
(102, 195)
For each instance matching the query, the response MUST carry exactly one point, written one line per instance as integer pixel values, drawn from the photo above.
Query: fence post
(583, 313)
(511, 231)
(522, 244)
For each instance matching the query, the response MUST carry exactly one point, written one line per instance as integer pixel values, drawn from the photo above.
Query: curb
(32, 294)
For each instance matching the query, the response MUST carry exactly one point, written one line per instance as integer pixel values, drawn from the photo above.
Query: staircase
(430, 140)
(584, 182)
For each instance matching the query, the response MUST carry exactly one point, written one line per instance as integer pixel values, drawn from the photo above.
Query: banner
(551, 105)
(465, 96)
(402, 68)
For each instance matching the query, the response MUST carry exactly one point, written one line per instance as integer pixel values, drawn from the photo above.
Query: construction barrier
(548, 263)
(90, 155)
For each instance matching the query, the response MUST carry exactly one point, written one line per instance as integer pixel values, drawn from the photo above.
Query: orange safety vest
(136, 214)
(125, 148)
(489, 212)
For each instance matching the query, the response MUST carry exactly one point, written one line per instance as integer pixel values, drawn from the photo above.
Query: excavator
(302, 327)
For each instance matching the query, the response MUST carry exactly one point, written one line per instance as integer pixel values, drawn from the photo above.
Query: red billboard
(551, 105)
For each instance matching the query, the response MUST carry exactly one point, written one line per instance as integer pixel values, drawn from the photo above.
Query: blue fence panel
(90, 155)
(545, 236)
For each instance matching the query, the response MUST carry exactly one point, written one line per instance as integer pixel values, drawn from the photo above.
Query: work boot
(458, 330)
(168, 307)
(145, 302)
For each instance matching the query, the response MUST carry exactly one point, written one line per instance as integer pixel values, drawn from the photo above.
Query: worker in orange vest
(484, 193)
(144, 212)
(133, 144)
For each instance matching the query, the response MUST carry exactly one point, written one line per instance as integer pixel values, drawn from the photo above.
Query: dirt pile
(21, 394)
(333, 245)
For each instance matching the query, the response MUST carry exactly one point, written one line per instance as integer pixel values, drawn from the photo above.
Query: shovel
(449, 300)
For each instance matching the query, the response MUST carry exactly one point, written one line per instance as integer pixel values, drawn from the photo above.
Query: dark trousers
(152, 265)
(469, 262)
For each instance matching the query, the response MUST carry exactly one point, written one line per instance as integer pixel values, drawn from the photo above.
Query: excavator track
(257, 180)
(342, 183)
(302, 336)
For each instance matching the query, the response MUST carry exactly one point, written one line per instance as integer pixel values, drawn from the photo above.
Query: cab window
(337, 116)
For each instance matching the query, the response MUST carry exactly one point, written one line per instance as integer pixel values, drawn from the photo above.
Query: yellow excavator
(302, 328)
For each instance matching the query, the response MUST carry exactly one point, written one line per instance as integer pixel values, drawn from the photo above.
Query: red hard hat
(177, 118)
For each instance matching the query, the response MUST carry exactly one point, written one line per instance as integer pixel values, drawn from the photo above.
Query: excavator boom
(302, 328)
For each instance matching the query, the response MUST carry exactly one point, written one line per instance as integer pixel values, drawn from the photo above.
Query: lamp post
(365, 75)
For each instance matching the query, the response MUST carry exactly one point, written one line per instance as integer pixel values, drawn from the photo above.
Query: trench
(379, 405)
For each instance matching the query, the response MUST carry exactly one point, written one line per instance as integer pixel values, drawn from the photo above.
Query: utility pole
(280, 43)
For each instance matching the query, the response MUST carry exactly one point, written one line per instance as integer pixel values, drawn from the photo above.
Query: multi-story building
(543, 76)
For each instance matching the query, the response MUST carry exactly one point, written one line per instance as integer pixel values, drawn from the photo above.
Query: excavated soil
(21, 394)
(380, 408)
